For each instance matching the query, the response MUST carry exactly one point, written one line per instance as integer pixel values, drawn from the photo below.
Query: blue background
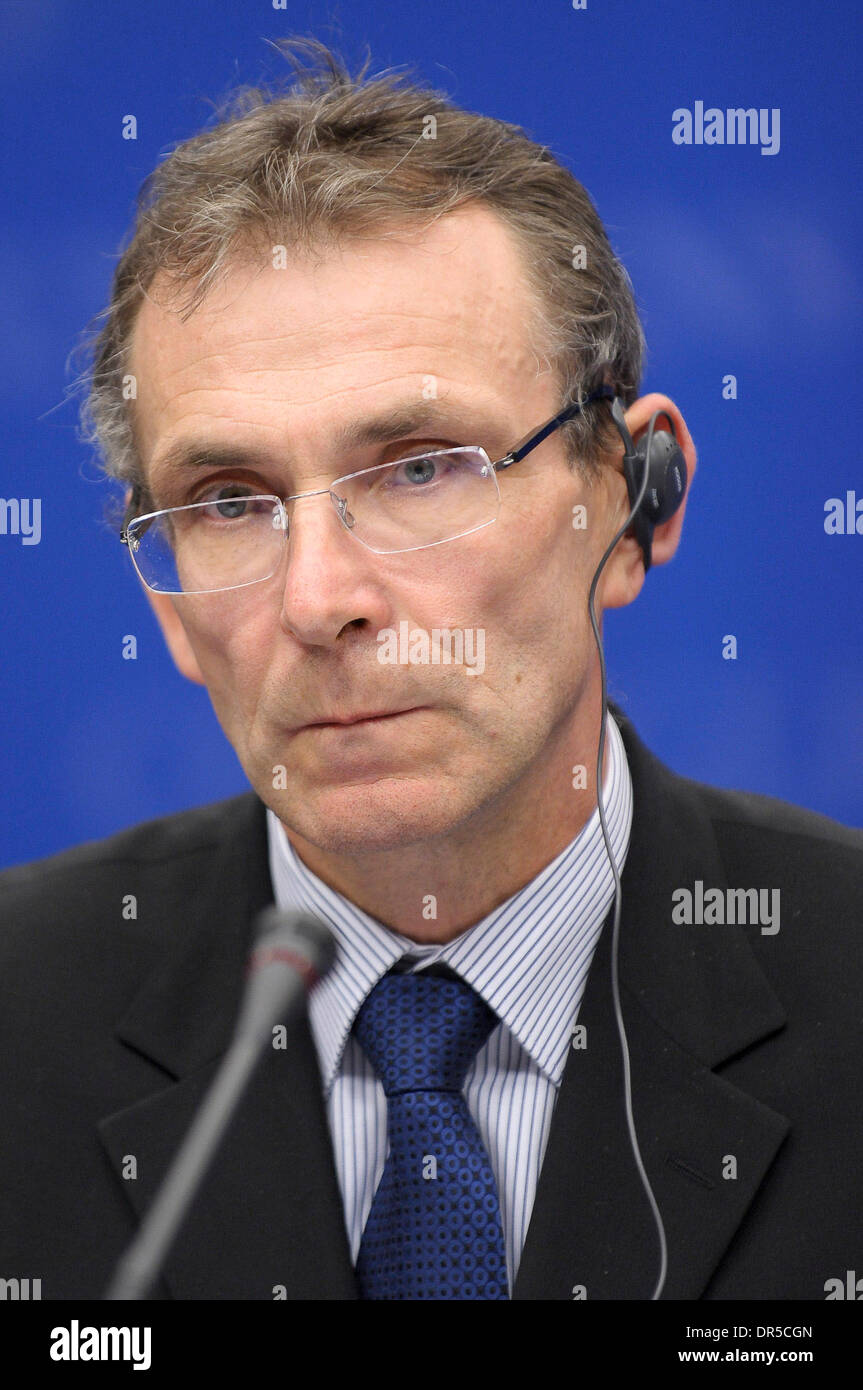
(742, 263)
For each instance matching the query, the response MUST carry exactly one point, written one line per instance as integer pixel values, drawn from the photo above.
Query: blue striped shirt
(529, 959)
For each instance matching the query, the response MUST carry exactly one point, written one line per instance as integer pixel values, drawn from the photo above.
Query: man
(342, 311)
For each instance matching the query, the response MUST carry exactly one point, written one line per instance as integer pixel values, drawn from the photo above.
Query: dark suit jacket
(744, 1045)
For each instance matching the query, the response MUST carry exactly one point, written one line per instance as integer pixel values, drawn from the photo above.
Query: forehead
(272, 347)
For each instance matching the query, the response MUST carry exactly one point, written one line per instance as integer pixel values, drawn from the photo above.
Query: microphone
(292, 951)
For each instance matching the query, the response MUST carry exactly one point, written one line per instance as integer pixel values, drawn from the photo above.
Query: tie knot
(421, 1032)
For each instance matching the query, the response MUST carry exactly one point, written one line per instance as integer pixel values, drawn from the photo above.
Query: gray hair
(335, 155)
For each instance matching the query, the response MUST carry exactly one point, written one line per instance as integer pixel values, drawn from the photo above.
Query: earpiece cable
(615, 982)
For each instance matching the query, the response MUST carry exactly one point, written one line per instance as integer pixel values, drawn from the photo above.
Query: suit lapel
(691, 997)
(269, 1215)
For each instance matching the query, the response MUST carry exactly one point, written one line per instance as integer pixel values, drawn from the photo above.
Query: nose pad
(346, 516)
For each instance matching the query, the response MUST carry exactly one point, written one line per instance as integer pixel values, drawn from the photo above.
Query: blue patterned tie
(434, 1229)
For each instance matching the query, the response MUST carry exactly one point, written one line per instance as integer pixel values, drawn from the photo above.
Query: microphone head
(293, 936)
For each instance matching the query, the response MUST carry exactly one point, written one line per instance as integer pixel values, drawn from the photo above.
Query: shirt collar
(523, 958)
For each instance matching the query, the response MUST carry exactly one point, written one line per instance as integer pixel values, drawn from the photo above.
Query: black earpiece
(667, 475)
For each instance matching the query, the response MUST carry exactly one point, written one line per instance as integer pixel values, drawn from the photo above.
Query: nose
(330, 581)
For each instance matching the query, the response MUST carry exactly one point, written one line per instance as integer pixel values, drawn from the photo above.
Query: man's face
(274, 364)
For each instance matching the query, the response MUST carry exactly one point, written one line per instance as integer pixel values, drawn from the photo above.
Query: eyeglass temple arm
(602, 393)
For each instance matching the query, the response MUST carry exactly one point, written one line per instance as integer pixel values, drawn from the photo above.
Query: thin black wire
(615, 982)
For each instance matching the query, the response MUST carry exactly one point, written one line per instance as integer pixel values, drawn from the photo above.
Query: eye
(230, 499)
(421, 470)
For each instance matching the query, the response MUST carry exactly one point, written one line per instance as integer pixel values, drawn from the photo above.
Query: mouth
(372, 717)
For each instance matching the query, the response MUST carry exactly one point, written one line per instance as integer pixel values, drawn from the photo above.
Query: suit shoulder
(80, 930)
(775, 841)
(757, 812)
(162, 840)
(733, 811)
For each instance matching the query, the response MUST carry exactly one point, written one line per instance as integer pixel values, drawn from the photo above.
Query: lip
(372, 717)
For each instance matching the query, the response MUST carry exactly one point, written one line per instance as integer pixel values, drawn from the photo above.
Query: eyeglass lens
(239, 540)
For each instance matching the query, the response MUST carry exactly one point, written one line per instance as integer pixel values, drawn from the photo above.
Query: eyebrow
(397, 422)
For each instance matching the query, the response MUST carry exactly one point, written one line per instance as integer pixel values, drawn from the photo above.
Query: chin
(389, 813)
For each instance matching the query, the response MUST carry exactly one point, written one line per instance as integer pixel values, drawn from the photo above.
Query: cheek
(232, 645)
(538, 587)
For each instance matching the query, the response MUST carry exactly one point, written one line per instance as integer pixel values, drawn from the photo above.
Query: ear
(175, 636)
(666, 537)
(626, 566)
